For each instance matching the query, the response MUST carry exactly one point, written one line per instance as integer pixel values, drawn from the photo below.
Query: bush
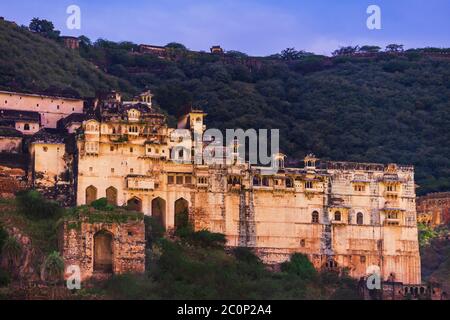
(300, 265)
(130, 287)
(246, 255)
(4, 278)
(53, 267)
(204, 239)
(11, 252)
(3, 237)
(33, 205)
(153, 229)
(102, 205)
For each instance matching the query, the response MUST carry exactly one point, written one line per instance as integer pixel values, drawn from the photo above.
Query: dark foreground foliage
(205, 270)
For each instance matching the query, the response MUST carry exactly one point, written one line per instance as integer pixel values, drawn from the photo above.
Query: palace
(342, 215)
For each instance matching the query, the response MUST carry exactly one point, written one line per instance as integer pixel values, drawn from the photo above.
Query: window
(302, 243)
(179, 179)
(26, 127)
(149, 150)
(111, 148)
(289, 183)
(362, 259)
(45, 149)
(131, 150)
(112, 170)
(309, 185)
(392, 188)
(315, 217)
(180, 154)
(360, 218)
(360, 188)
(57, 107)
(131, 170)
(265, 182)
(337, 216)
(188, 180)
(256, 181)
(170, 180)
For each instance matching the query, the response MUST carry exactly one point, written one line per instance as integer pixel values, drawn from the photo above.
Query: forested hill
(372, 107)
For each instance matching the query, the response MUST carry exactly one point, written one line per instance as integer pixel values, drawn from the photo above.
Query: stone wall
(434, 209)
(12, 180)
(77, 245)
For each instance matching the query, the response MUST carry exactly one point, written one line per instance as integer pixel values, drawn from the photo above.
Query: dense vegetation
(190, 265)
(33, 63)
(360, 105)
(435, 254)
(196, 266)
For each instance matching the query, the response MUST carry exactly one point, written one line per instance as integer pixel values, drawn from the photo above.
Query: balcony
(140, 183)
(392, 221)
(391, 194)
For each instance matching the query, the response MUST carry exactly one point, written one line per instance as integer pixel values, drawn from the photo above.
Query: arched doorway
(135, 204)
(91, 195)
(111, 196)
(181, 213)
(103, 252)
(159, 211)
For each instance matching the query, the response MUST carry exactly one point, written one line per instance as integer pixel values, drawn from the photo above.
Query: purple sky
(256, 27)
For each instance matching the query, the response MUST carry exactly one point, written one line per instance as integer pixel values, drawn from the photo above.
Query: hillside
(32, 63)
(377, 108)
(183, 266)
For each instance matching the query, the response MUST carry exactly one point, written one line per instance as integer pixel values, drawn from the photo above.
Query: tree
(394, 48)
(292, 54)
(176, 45)
(346, 51)
(299, 265)
(44, 27)
(370, 49)
(85, 41)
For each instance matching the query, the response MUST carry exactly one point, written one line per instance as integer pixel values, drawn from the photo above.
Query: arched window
(315, 217)
(26, 127)
(359, 218)
(265, 182)
(337, 216)
(181, 154)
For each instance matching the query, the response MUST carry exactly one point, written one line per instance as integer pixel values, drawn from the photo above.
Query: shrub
(300, 265)
(130, 287)
(33, 205)
(102, 205)
(153, 229)
(205, 239)
(4, 278)
(53, 267)
(11, 252)
(3, 237)
(246, 255)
